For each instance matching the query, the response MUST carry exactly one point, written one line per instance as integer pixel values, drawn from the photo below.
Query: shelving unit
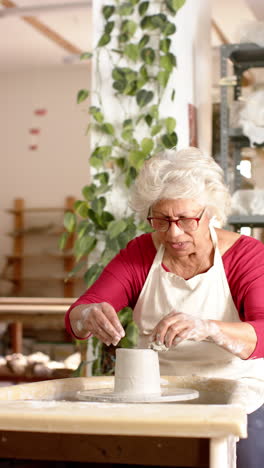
(242, 57)
(15, 262)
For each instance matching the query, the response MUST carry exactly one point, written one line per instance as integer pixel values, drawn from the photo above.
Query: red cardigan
(122, 280)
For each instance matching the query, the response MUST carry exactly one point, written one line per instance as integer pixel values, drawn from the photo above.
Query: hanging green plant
(136, 38)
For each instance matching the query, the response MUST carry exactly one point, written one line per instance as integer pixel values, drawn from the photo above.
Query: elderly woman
(196, 290)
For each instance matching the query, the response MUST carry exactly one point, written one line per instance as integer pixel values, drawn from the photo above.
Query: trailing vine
(137, 42)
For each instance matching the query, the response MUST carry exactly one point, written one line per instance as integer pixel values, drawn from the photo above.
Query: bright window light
(245, 230)
(245, 168)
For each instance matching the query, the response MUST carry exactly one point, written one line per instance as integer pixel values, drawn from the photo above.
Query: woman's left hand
(177, 326)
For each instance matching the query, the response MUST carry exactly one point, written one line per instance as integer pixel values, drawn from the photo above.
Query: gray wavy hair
(187, 173)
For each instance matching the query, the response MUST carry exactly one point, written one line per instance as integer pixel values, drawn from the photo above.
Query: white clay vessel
(137, 372)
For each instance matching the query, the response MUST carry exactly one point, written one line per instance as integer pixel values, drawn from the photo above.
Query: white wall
(60, 165)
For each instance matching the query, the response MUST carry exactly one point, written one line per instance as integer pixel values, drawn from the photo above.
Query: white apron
(205, 296)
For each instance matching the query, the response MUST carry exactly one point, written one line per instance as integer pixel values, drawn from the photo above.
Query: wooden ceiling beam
(220, 33)
(46, 31)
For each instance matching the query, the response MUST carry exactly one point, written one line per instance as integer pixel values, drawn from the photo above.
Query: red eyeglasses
(184, 224)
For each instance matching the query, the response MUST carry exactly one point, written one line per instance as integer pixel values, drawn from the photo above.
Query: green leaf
(98, 205)
(84, 228)
(109, 27)
(86, 55)
(108, 10)
(132, 333)
(148, 55)
(154, 111)
(159, 21)
(107, 256)
(143, 97)
(146, 23)
(108, 129)
(118, 74)
(63, 240)
(104, 40)
(121, 163)
(168, 61)
(143, 8)
(143, 41)
(173, 95)
(92, 274)
(120, 85)
(130, 176)
(128, 124)
(169, 29)
(174, 5)
(88, 192)
(103, 177)
(84, 246)
(165, 45)
(127, 135)
(81, 208)
(96, 114)
(114, 228)
(125, 316)
(170, 124)
(147, 145)
(82, 95)
(124, 37)
(156, 129)
(169, 140)
(163, 78)
(136, 159)
(105, 219)
(128, 27)
(69, 221)
(148, 120)
(102, 151)
(131, 51)
(125, 9)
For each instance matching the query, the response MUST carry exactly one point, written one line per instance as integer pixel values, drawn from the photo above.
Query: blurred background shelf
(37, 222)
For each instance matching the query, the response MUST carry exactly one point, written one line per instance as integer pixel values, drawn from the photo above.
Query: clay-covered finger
(174, 331)
(160, 331)
(102, 326)
(112, 316)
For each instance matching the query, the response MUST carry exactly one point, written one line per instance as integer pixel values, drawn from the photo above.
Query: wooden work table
(42, 421)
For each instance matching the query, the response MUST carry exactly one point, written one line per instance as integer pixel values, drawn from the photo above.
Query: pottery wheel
(166, 395)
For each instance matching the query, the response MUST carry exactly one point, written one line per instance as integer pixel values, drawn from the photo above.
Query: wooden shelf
(44, 278)
(39, 255)
(16, 260)
(37, 210)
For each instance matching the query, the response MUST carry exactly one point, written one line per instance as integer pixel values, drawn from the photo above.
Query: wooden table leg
(219, 456)
(16, 330)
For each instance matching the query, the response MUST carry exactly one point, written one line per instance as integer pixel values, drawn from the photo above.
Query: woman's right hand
(100, 320)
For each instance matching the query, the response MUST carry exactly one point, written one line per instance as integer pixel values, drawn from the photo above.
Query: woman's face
(177, 242)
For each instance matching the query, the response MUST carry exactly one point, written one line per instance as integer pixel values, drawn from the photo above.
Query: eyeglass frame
(176, 221)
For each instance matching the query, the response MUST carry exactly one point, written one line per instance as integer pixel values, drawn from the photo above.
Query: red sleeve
(244, 267)
(121, 281)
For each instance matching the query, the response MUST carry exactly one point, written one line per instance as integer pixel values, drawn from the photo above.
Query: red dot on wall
(33, 147)
(40, 111)
(34, 131)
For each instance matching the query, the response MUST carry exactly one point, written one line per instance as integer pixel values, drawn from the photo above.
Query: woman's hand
(239, 338)
(177, 326)
(100, 320)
